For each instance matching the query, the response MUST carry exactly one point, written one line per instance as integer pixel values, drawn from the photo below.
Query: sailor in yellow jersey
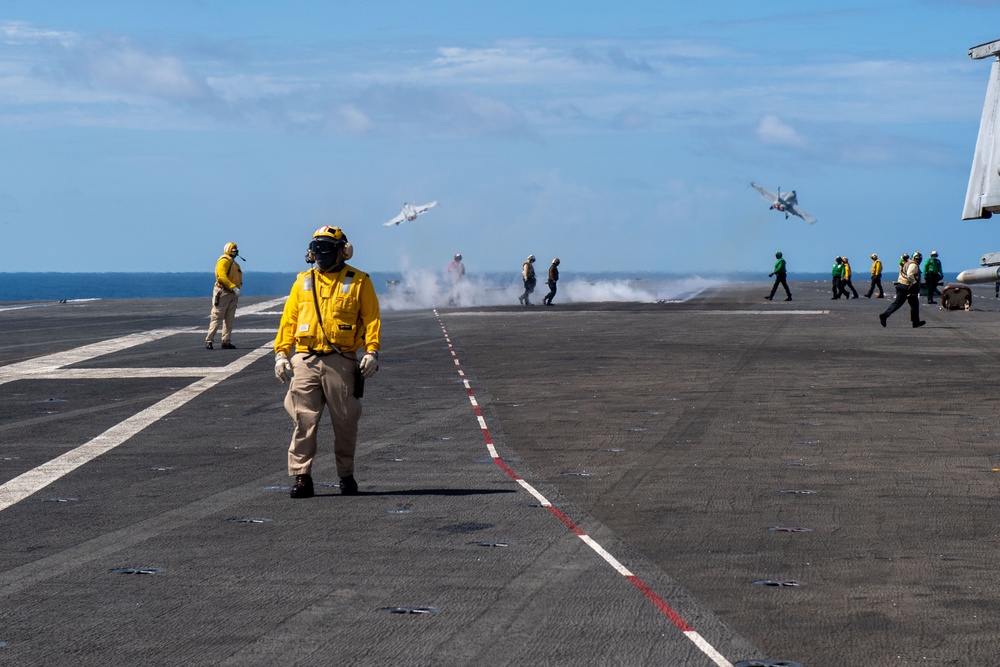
(228, 281)
(876, 277)
(848, 285)
(331, 315)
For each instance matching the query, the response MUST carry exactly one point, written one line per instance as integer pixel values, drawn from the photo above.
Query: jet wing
(395, 221)
(767, 194)
(420, 209)
(795, 210)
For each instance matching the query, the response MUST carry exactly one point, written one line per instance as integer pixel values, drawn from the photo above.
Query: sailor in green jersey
(779, 274)
(932, 275)
(837, 274)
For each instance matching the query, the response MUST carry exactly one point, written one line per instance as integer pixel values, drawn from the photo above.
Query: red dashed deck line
(659, 602)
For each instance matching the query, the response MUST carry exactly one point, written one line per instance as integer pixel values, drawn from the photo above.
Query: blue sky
(142, 136)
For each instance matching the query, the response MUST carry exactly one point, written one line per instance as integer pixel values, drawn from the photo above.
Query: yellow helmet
(329, 247)
(231, 250)
(334, 234)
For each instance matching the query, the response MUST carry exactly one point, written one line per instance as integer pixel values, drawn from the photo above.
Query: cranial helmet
(531, 258)
(231, 250)
(933, 253)
(328, 248)
(917, 255)
(845, 261)
(458, 257)
(873, 256)
(778, 254)
(556, 261)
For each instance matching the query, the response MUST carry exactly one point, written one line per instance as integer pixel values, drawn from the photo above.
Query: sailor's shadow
(425, 492)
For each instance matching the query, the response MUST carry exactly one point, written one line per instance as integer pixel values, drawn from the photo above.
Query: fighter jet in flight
(409, 213)
(786, 203)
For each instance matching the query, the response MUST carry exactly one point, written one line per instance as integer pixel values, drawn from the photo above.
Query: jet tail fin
(983, 195)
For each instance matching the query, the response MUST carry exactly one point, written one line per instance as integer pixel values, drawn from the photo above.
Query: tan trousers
(223, 312)
(317, 382)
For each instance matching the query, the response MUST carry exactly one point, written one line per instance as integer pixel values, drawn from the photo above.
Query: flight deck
(723, 481)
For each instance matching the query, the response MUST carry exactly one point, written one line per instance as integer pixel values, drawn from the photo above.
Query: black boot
(348, 487)
(303, 487)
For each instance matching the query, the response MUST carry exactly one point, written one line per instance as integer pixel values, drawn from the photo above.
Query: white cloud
(18, 32)
(121, 65)
(772, 130)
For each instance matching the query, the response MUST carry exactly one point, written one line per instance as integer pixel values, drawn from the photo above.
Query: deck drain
(800, 492)
(469, 527)
(52, 400)
(277, 488)
(156, 469)
(767, 663)
(493, 544)
(789, 529)
(397, 459)
(610, 449)
(248, 519)
(139, 570)
(800, 464)
(59, 500)
(579, 473)
(780, 583)
(10, 458)
(805, 442)
(634, 429)
(399, 511)
(410, 610)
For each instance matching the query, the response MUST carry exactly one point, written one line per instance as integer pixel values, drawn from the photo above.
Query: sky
(144, 136)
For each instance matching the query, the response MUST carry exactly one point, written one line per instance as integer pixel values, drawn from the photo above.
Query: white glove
(236, 291)
(369, 364)
(282, 367)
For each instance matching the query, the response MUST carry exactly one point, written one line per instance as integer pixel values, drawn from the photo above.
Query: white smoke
(421, 289)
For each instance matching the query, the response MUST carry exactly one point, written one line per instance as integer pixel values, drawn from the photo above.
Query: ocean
(417, 289)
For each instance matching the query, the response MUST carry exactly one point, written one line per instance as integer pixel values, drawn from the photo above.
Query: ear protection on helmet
(329, 247)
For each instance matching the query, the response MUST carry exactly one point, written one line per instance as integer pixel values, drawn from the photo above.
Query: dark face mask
(326, 254)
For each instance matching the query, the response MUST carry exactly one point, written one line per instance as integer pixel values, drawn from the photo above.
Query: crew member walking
(780, 275)
(932, 275)
(228, 281)
(908, 290)
(455, 271)
(551, 282)
(331, 313)
(837, 275)
(847, 279)
(528, 276)
(876, 277)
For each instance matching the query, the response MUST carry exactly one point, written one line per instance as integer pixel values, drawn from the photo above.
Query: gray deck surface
(691, 420)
